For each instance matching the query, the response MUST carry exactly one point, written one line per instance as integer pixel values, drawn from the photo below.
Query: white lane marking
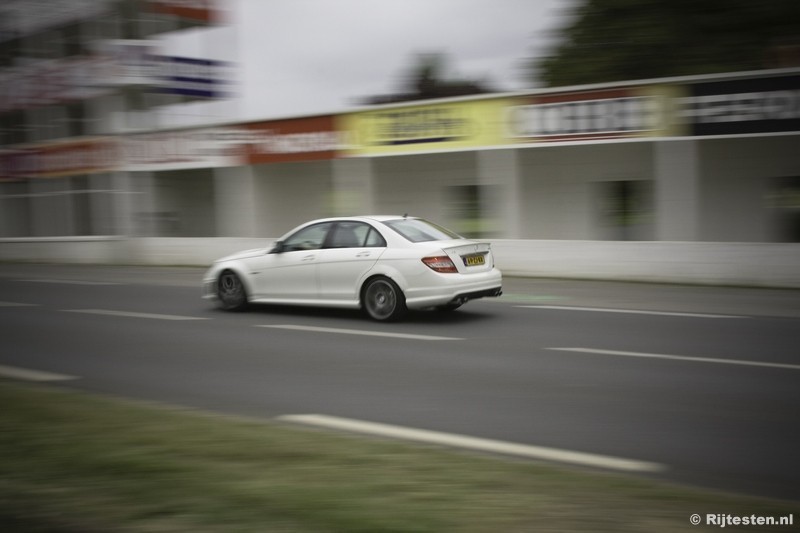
(32, 375)
(17, 304)
(362, 332)
(69, 282)
(680, 358)
(628, 311)
(130, 314)
(474, 443)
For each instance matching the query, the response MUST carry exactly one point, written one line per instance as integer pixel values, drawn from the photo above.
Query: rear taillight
(440, 263)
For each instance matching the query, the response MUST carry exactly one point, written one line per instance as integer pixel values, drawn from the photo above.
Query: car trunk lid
(470, 257)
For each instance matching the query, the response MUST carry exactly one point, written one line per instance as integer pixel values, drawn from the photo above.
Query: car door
(290, 273)
(350, 252)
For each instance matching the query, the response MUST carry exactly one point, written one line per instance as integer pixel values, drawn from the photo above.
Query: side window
(355, 235)
(310, 238)
(375, 239)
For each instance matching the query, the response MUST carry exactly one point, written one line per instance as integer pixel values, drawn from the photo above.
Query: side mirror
(277, 248)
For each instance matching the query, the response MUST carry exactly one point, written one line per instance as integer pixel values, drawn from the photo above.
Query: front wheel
(383, 300)
(231, 292)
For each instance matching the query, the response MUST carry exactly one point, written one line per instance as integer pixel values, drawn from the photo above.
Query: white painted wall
(419, 185)
(288, 194)
(235, 202)
(737, 177)
(184, 203)
(558, 186)
(745, 264)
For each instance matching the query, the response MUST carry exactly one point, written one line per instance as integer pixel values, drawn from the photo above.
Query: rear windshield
(419, 230)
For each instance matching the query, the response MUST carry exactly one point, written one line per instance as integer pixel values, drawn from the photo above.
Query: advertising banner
(126, 63)
(196, 10)
(187, 76)
(183, 149)
(756, 105)
(304, 139)
(137, 62)
(592, 115)
(301, 139)
(61, 159)
(422, 128)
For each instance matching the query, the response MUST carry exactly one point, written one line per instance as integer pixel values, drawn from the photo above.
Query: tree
(428, 79)
(613, 40)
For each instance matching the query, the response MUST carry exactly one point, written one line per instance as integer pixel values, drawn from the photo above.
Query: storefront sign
(117, 63)
(61, 159)
(758, 105)
(304, 139)
(586, 115)
(421, 128)
(186, 76)
(198, 10)
(307, 139)
(182, 149)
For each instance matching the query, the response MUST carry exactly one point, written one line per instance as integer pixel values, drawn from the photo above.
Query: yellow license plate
(474, 260)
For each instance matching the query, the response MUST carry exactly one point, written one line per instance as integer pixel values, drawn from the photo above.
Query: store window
(471, 210)
(784, 201)
(625, 210)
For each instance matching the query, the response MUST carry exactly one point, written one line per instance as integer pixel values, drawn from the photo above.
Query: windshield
(419, 230)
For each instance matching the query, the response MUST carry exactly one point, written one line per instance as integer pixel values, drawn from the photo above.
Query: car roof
(377, 218)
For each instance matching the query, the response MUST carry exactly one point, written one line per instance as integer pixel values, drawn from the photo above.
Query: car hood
(244, 254)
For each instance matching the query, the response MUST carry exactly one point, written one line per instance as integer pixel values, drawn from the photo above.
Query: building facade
(709, 159)
(75, 77)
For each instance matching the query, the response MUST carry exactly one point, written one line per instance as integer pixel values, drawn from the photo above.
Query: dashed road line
(17, 304)
(361, 332)
(628, 311)
(475, 444)
(739, 362)
(131, 314)
(26, 374)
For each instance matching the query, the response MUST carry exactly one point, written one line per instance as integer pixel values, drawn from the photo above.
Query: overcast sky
(301, 57)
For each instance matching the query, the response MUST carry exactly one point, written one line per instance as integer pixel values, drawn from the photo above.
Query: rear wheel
(231, 292)
(383, 300)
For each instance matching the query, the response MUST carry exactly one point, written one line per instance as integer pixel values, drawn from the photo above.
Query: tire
(383, 300)
(231, 292)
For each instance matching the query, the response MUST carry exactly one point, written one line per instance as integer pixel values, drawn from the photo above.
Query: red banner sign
(304, 139)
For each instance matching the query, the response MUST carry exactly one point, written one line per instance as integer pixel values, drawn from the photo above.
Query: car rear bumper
(467, 296)
(453, 289)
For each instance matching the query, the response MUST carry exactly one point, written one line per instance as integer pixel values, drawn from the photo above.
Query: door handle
(363, 254)
(309, 257)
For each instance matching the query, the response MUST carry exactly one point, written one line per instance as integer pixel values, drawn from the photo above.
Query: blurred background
(131, 127)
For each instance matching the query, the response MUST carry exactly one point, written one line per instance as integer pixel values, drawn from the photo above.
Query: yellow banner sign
(423, 128)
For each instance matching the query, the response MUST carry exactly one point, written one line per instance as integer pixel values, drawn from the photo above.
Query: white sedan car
(382, 264)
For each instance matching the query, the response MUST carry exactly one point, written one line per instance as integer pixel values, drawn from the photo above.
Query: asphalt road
(701, 383)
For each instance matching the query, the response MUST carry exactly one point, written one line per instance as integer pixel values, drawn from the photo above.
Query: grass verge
(74, 462)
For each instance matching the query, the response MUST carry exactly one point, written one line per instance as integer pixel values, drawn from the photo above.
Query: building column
(352, 188)
(499, 171)
(677, 190)
(102, 218)
(122, 207)
(140, 186)
(235, 202)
